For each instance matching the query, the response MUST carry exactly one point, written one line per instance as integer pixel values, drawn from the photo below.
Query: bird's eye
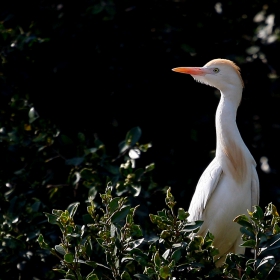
(216, 70)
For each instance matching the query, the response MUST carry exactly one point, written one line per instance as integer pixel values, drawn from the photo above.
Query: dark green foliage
(174, 253)
(38, 159)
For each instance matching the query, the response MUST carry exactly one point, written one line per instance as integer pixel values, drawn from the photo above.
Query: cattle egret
(229, 185)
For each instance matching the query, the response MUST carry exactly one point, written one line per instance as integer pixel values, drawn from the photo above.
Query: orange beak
(196, 71)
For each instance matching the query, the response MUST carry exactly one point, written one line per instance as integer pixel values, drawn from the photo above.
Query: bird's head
(222, 74)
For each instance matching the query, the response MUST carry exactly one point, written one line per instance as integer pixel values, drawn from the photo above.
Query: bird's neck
(226, 127)
(226, 118)
(230, 146)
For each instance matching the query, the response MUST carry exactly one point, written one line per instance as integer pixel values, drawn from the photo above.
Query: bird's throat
(229, 141)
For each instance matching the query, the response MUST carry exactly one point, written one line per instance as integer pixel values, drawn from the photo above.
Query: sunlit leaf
(60, 249)
(134, 244)
(33, 115)
(157, 260)
(267, 260)
(92, 193)
(72, 208)
(165, 255)
(243, 220)
(257, 213)
(150, 167)
(164, 272)
(42, 242)
(192, 226)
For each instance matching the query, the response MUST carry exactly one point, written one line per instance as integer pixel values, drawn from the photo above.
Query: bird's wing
(204, 189)
(255, 189)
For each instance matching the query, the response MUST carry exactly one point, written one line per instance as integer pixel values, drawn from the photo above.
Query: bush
(174, 253)
(45, 169)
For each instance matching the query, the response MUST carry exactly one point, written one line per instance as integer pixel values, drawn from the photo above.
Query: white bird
(229, 185)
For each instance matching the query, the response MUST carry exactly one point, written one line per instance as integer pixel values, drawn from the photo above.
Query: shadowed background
(103, 67)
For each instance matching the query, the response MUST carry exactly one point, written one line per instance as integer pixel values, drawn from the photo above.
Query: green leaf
(57, 213)
(137, 189)
(272, 243)
(247, 232)
(257, 213)
(136, 231)
(165, 255)
(157, 260)
(60, 249)
(196, 243)
(276, 229)
(150, 167)
(120, 215)
(165, 234)
(114, 204)
(52, 219)
(42, 242)
(266, 260)
(92, 193)
(182, 214)
(123, 147)
(91, 151)
(176, 255)
(126, 259)
(249, 244)
(35, 206)
(165, 272)
(271, 210)
(243, 220)
(134, 244)
(72, 208)
(69, 258)
(138, 174)
(87, 219)
(87, 174)
(91, 263)
(113, 230)
(133, 136)
(192, 226)
(33, 115)
(88, 247)
(125, 276)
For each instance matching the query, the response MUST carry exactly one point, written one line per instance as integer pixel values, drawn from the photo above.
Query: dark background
(103, 67)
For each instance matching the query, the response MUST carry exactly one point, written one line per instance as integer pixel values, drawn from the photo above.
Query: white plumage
(229, 185)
